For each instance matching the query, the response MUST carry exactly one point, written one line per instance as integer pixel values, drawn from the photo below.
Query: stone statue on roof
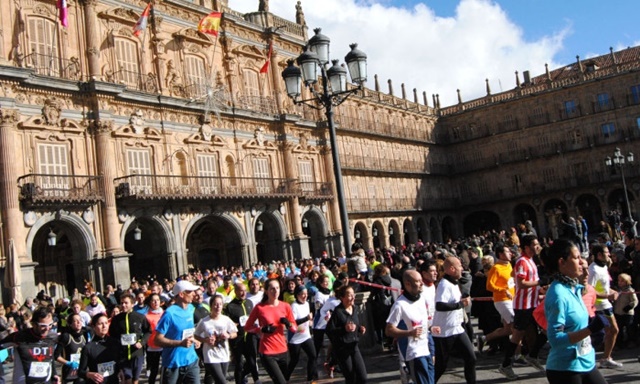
(300, 15)
(263, 6)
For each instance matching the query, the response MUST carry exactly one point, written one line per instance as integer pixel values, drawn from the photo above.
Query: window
(127, 62)
(43, 46)
(635, 94)
(52, 162)
(576, 136)
(603, 101)
(305, 174)
(195, 75)
(208, 180)
(548, 175)
(355, 200)
(262, 174)
(139, 166)
(251, 84)
(517, 182)
(638, 122)
(570, 108)
(608, 130)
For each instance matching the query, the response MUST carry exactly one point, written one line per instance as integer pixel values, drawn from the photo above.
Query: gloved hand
(268, 329)
(72, 364)
(286, 322)
(598, 323)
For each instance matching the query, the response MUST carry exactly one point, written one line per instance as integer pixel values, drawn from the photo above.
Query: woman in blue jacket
(572, 359)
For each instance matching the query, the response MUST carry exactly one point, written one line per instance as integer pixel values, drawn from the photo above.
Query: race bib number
(107, 369)
(584, 346)
(39, 369)
(243, 320)
(187, 333)
(75, 357)
(128, 339)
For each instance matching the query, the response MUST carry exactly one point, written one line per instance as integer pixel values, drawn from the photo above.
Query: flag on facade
(141, 25)
(210, 24)
(265, 66)
(62, 9)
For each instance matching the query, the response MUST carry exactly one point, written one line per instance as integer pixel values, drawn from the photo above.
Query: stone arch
(481, 221)
(408, 231)
(421, 229)
(270, 241)
(316, 230)
(360, 232)
(216, 239)
(61, 268)
(155, 252)
(555, 210)
(394, 234)
(378, 235)
(523, 212)
(448, 229)
(588, 206)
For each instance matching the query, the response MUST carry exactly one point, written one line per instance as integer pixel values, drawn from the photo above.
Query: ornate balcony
(134, 80)
(311, 191)
(53, 66)
(37, 190)
(184, 188)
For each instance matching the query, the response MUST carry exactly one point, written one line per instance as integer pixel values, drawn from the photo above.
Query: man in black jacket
(244, 346)
(133, 331)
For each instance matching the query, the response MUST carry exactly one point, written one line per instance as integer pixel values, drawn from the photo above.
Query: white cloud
(423, 50)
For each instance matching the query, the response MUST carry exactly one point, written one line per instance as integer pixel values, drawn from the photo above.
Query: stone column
(9, 205)
(106, 167)
(294, 203)
(93, 38)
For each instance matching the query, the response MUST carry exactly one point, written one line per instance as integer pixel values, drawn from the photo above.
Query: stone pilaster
(93, 39)
(9, 204)
(336, 226)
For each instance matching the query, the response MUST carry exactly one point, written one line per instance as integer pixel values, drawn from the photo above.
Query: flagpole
(54, 37)
(142, 60)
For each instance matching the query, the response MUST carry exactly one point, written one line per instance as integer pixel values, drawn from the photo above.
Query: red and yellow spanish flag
(210, 24)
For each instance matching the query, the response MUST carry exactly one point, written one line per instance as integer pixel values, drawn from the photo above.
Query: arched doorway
(377, 232)
(359, 234)
(524, 212)
(435, 230)
(421, 230)
(448, 229)
(315, 228)
(588, 206)
(269, 238)
(394, 234)
(145, 240)
(616, 201)
(481, 221)
(407, 230)
(61, 249)
(215, 241)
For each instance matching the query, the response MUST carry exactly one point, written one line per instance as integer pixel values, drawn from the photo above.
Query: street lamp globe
(337, 77)
(292, 80)
(357, 63)
(319, 44)
(308, 62)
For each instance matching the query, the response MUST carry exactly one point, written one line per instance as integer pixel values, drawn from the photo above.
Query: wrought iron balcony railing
(315, 191)
(44, 189)
(135, 80)
(155, 187)
(49, 65)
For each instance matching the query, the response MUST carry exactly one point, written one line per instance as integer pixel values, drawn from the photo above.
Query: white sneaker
(609, 363)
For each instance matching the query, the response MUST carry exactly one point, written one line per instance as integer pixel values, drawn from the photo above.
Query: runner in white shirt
(302, 338)
(408, 322)
(214, 332)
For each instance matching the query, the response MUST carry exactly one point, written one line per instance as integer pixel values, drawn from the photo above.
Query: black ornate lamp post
(314, 59)
(617, 162)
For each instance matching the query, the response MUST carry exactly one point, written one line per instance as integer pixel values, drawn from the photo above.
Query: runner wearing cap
(175, 335)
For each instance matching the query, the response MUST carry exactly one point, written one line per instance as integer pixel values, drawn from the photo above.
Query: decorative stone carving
(300, 15)
(102, 126)
(51, 112)
(9, 116)
(137, 122)
(259, 135)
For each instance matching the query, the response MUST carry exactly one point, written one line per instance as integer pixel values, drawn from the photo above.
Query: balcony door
(53, 165)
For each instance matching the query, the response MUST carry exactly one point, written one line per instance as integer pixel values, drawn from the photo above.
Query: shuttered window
(262, 174)
(127, 71)
(138, 163)
(43, 46)
(251, 84)
(195, 75)
(53, 163)
(305, 170)
(208, 171)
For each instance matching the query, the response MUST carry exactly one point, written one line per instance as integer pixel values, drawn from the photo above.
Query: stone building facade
(125, 155)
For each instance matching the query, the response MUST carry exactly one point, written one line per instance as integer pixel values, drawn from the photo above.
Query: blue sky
(438, 46)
